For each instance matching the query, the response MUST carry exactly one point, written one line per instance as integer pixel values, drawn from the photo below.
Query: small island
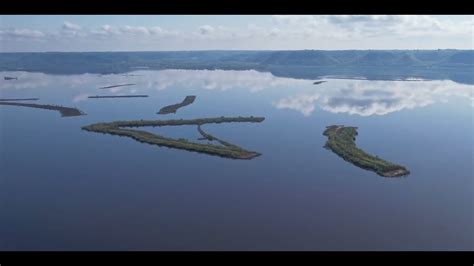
(174, 107)
(117, 96)
(341, 140)
(64, 111)
(18, 99)
(318, 82)
(10, 78)
(226, 150)
(115, 86)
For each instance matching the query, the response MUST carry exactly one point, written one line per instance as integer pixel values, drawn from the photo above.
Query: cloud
(367, 98)
(282, 32)
(144, 33)
(70, 26)
(106, 30)
(302, 103)
(221, 80)
(135, 30)
(81, 97)
(354, 97)
(22, 33)
(206, 30)
(358, 26)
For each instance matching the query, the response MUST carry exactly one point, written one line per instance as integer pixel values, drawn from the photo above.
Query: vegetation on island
(18, 99)
(115, 86)
(117, 96)
(10, 78)
(226, 150)
(174, 107)
(318, 82)
(64, 111)
(341, 140)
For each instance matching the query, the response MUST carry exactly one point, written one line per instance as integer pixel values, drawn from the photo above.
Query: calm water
(62, 188)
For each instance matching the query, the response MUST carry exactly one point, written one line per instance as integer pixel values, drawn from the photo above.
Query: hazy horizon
(81, 33)
(239, 50)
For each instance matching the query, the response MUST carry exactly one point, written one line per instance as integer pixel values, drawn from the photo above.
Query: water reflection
(160, 80)
(361, 97)
(368, 98)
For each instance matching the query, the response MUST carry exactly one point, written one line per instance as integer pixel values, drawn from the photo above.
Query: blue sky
(209, 32)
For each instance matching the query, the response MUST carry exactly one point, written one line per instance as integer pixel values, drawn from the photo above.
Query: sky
(81, 33)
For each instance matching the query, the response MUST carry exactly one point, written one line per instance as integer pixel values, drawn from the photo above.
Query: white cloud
(326, 32)
(70, 26)
(135, 30)
(358, 26)
(366, 98)
(206, 30)
(302, 103)
(22, 33)
(355, 97)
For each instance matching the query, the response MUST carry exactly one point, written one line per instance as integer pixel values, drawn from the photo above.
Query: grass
(174, 107)
(64, 111)
(341, 140)
(117, 96)
(227, 150)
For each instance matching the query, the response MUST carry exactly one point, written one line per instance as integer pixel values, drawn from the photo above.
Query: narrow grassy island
(10, 78)
(18, 99)
(64, 111)
(341, 140)
(117, 96)
(226, 150)
(115, 86)
(174, 107)
(318, 82)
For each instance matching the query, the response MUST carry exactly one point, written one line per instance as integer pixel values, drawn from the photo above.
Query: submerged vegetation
(117, 96)
(64, 111)
(226, 150)
(174, 107)
(341, 141)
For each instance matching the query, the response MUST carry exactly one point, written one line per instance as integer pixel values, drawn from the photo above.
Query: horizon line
(236, 50)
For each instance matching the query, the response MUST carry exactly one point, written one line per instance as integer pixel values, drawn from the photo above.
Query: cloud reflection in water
(360, 97)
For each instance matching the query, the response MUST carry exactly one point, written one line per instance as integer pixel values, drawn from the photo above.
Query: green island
(318, 82)
(115, 86)
(226, 150)
(341, 140)
(117, 96)
(18, 99)
(174, 107)
(64, 111)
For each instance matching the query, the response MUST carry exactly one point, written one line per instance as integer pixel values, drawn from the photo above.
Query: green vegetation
(341, 141)
(211, 138)
(18, 99)
(65, 111)
(226, 150)
(318, 82)
(117, 96)
(115, 86)
(173, 108)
